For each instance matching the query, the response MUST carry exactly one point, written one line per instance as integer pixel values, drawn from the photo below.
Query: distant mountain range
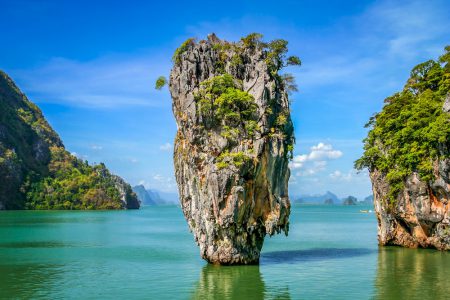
(154, 197)
(329, 198)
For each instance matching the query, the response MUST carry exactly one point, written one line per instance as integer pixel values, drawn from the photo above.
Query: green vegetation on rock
(160, 82)
(409, 133)
(36, 172)
(222, 102)
(236, 159)
(180, 50)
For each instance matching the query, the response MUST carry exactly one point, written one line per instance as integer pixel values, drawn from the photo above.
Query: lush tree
(409, 133)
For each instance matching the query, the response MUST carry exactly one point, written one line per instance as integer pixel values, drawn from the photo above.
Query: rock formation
(233, 144)
(407, 154)
(421, 215)
(36, 172)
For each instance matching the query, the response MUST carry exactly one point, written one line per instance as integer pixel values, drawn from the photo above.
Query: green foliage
(293, 61)
(222, 104)
(176, 58)
(72, 184)
(252, 40)
(276, 54)
(36, 172)
(445, 59)
(425, 76)
(251, 126)
(235, 106)
(236, 159)
(406, 136)
(290, 149)
(229, 133)
(236, 60)
(281, 119)
(221, 101)
(160, 82)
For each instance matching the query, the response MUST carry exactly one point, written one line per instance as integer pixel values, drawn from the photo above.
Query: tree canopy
(409, 133)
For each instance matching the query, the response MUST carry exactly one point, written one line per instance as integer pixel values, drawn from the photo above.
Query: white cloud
(318, 155)
(159, 182)
(106, 82)
(165, 147)
(158, 177)
(96, 147)
(350, 176)
(407, 27)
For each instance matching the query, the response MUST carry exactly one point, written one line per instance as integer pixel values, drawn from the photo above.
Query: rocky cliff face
(36, 172)
(407, 153)
(421, 214)
(232, 147)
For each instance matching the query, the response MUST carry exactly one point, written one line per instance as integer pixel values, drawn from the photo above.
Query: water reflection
(412, 274)
(295, 256)
(235, 282)
(26, 281)
(36, 244)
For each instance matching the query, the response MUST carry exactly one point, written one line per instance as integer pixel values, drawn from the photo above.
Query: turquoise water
(330, 253)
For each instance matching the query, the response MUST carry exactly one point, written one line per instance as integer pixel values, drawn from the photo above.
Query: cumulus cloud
(96, 147)
(318, 155)
(165, 147)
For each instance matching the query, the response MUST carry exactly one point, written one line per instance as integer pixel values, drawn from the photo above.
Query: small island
(407, 154)
(234, 142)
(350, 200)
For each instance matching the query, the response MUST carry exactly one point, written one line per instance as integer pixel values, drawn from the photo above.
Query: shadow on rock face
(412, 274)
(295, 256)
(234, 282)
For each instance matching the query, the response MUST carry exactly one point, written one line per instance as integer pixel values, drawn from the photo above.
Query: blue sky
(91, 68)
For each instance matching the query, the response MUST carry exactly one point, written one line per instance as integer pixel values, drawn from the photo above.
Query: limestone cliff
(407, 154)
(233, 144)
(36, 172)
(421, 214)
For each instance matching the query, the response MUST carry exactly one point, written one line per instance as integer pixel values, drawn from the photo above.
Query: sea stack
(233, 144)
(407, 154)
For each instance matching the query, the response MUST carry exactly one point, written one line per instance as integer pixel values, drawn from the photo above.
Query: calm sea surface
(331, 253)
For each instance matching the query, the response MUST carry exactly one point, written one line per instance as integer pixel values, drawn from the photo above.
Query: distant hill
(367, 200)
(143, 195)
(350, 200)
(327, 198)
(154, 197)
(328, 201)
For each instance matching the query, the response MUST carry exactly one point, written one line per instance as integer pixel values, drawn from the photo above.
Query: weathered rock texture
(421, 214)
(230, 209)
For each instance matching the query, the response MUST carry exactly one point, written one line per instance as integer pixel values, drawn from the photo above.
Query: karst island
(234, 141)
